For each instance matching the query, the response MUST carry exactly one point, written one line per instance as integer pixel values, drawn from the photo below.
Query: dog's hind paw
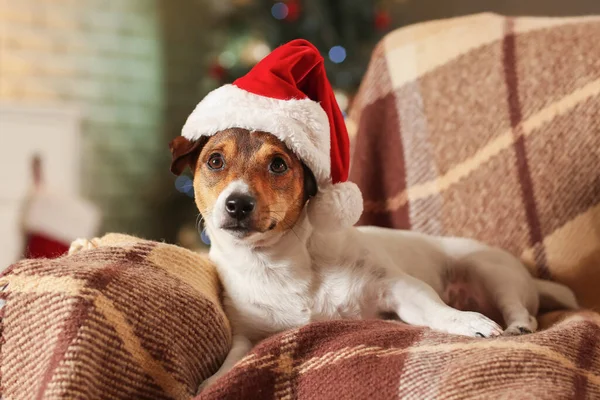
(517, 330)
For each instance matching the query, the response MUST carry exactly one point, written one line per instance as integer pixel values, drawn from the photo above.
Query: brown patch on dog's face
(258, 167)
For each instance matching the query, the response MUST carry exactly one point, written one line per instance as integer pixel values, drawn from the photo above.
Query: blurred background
(92, 91)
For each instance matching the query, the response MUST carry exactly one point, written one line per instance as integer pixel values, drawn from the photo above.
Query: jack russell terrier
(280, 273)
(269, 155)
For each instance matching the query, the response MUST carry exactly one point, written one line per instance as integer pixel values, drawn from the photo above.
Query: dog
(279, 273)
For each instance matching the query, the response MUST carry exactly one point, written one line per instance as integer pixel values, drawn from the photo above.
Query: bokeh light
(227, 59)
(185, 184)
(337, 54)
(260, 51)
(279, 10)
(342, 99)
(204, 236)
(252, 51)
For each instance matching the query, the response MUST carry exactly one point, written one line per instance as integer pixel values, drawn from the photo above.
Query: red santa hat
(51, 220)
(288, 95)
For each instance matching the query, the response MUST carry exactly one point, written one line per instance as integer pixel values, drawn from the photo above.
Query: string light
(337, 54)
(279, 10)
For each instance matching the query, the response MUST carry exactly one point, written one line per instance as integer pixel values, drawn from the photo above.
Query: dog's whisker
(199, 221)
(287, 225)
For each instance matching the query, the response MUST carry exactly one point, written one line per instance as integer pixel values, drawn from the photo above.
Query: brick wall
(105, 58)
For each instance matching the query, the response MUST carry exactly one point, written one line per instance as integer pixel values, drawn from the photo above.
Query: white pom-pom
(335, 207)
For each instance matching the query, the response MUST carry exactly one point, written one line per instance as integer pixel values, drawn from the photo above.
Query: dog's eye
(278, 166)
(215, 161)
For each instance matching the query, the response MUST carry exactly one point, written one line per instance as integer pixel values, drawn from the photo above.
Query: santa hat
(288, 95)
(51, 220)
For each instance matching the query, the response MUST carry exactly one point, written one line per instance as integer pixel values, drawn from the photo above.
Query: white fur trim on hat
(301, 124)
(335, 207)
(60, 217)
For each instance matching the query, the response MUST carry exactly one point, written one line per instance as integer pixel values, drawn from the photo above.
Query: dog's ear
(310, 183)
(185, 153)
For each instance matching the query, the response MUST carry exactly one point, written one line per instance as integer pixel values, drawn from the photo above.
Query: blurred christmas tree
(212, 42)
(345, 31)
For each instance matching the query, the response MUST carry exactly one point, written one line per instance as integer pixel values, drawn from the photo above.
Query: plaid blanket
(479, 126)
(135, 319)
(385, 360)
(488, 127)
(131, 319)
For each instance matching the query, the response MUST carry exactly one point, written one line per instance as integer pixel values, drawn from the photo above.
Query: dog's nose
(239, 206)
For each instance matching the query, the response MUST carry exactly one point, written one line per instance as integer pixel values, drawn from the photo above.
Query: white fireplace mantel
(26, 130)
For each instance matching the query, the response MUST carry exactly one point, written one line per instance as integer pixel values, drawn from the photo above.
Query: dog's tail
(555, 296)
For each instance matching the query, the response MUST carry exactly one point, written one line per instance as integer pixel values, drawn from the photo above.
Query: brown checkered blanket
(478, 126)
(131, 319)
(385, 360)
(134, 319)
(488, 127)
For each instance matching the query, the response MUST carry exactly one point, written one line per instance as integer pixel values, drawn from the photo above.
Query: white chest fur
(259, 305)
(268, 292)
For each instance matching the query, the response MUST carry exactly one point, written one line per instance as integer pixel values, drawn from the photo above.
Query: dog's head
(247, 184)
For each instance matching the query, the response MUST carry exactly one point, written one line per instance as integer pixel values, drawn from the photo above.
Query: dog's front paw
(471, 324)
(83, 244)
